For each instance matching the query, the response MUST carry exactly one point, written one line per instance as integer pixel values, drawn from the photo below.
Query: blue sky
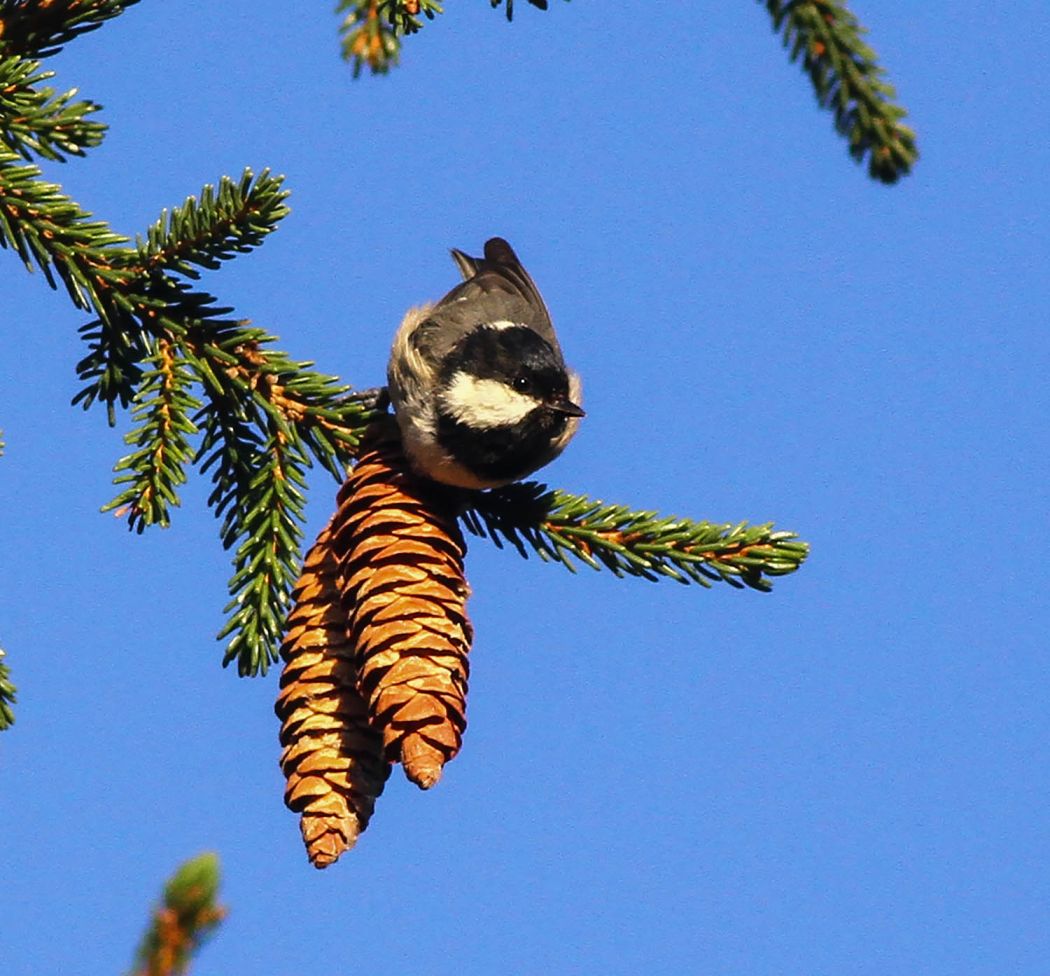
(847, 776)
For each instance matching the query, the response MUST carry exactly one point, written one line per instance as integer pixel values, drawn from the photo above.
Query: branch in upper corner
(156, 339)
(562, 527)
(188, 915)
(848, 80)
(38, 28)
(48, 230)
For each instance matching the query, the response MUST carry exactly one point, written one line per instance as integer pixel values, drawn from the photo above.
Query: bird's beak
(566, 406)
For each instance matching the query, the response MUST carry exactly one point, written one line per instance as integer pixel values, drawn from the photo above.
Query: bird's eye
(522, 384)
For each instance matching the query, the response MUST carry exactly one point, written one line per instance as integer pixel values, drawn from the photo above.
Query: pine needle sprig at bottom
(188, 915)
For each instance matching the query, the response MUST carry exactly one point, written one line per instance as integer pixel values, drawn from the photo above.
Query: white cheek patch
(485, 403)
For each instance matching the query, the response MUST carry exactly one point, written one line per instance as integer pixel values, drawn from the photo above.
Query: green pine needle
(265, 523)
(369, 38)
(136, 297)
(49, 231)
(567, 528)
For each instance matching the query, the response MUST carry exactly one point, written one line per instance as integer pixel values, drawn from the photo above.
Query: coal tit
(478, 383)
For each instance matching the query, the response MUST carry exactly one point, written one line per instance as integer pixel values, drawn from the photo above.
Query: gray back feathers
(495, 288)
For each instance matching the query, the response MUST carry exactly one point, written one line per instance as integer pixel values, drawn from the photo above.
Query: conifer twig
(49, 231)
(561, 527)
(848, 80)
(188, 914)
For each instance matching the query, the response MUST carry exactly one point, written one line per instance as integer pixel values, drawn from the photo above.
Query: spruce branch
(39, 122)
(156, 339)
(266, 520)
(188, 914)
(38, 28)
(848, 80)
(310, 407)
(267, 419)
(561, 527)
(132, 290)
(140, 300)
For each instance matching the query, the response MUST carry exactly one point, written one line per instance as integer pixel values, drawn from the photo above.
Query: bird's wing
(497, 285)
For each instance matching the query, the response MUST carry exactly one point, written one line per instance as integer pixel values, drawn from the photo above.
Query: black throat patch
(503, 453)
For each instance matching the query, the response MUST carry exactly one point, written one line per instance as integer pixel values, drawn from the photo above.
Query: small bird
(478, 383)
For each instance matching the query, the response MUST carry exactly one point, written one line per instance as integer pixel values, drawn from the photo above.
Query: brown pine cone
(332, 759)
(401, 569)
